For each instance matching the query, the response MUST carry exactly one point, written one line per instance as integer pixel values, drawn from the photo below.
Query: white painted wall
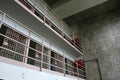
(11, 72)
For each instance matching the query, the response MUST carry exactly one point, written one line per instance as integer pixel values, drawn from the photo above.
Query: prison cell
(13, 41)
(34, 53)
(13, 45)
(56, 62)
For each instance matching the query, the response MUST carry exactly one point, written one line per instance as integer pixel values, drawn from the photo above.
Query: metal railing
(33, 55)
(49, 18)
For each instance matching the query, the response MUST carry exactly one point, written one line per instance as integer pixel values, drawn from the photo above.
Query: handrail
(81, 74)
(18, 56)
(42, 11)
(57, 17)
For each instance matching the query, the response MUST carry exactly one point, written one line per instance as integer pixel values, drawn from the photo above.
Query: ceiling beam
(95, 11)
(75, 6)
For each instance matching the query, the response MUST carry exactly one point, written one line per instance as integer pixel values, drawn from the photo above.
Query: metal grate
(11, 41)
(13, 45)
(56, 62)
(34, 53)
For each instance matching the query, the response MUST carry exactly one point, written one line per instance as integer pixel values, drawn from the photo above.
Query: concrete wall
(101, 44)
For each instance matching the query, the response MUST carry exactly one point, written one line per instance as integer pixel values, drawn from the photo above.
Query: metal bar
(58, 31)
(27, 49)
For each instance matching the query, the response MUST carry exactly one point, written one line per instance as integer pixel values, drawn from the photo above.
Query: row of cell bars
(13, 46)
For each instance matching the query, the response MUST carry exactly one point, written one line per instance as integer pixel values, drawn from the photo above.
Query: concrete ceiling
(97, 10)
(72, 11)
(56, 3)
(75, 6)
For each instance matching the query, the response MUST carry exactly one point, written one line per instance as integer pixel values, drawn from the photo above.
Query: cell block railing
(49, 18)
(57, 62)
(75, 69)
(19, 47)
